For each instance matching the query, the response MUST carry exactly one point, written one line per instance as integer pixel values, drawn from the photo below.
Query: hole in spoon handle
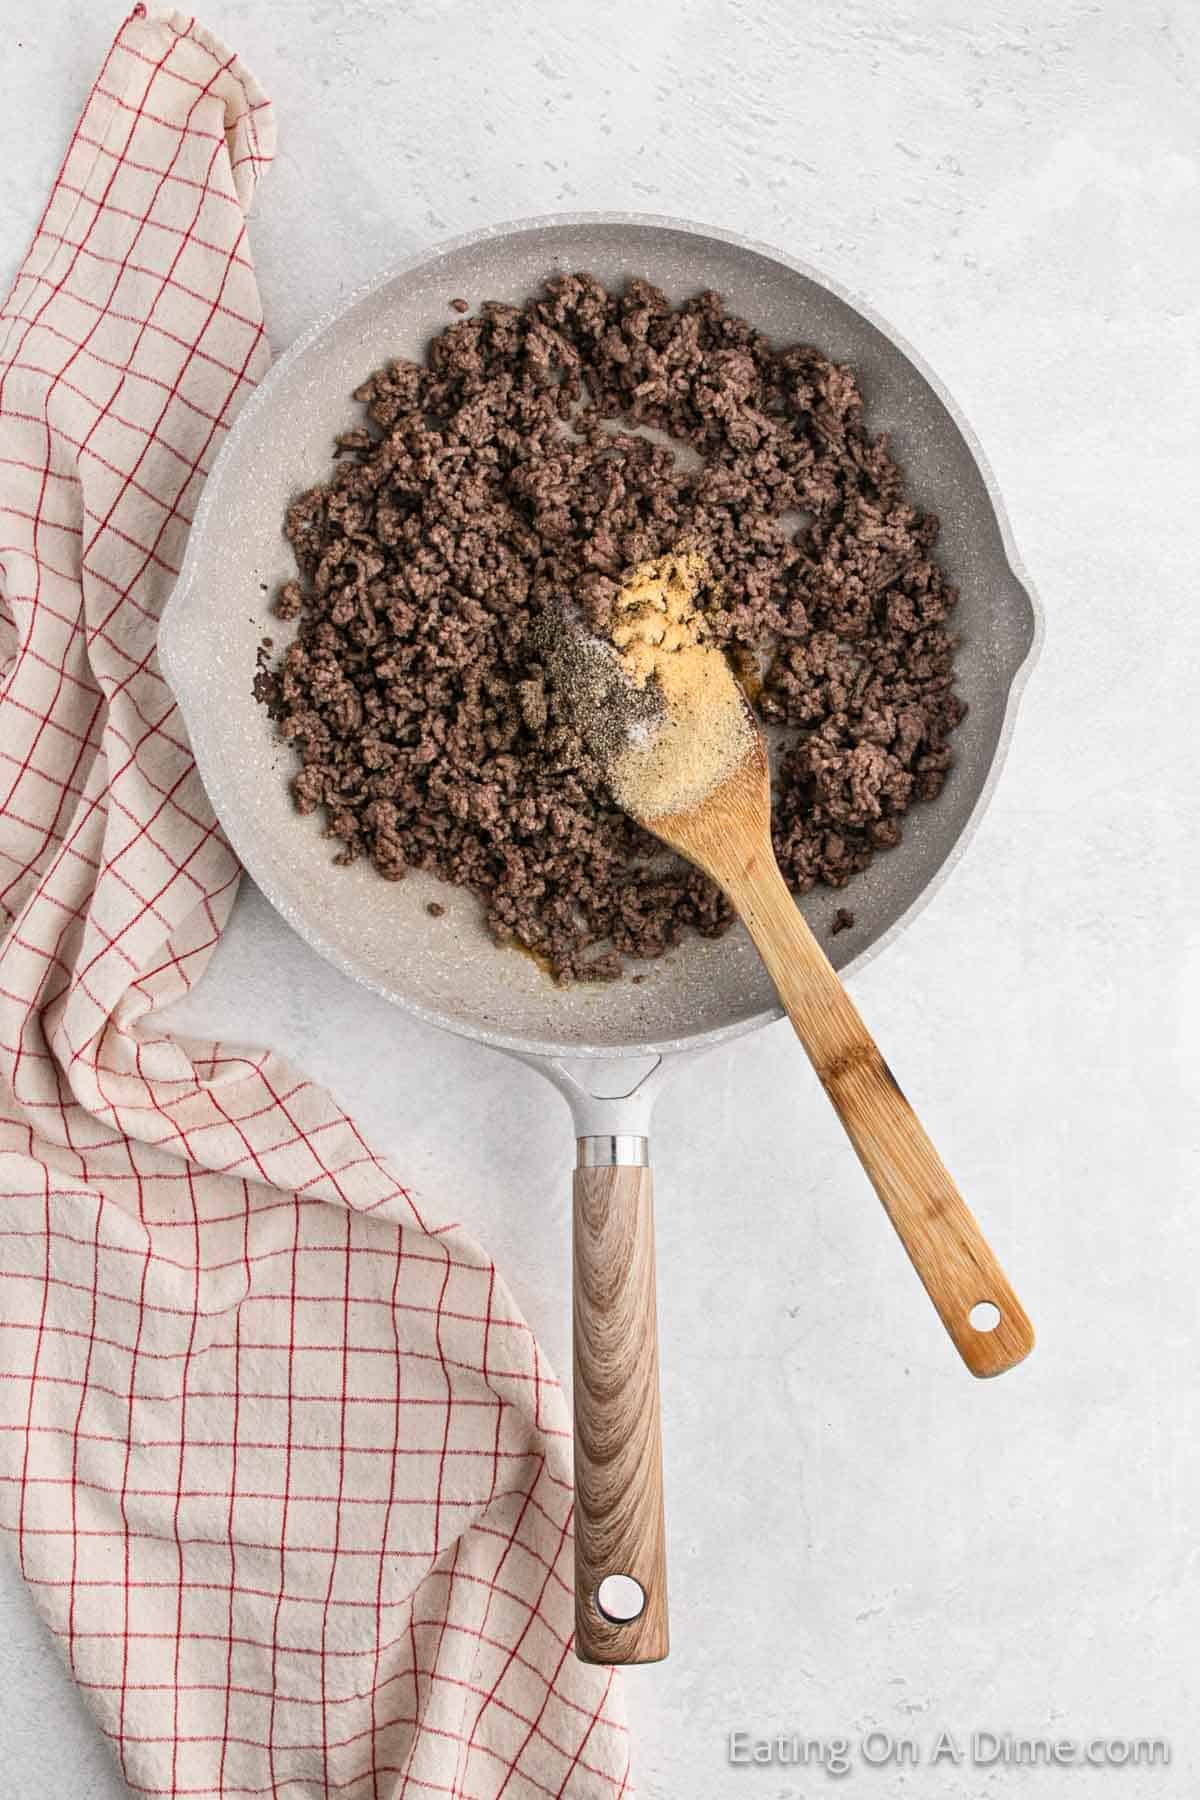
(985, 1315)
(992, 1333)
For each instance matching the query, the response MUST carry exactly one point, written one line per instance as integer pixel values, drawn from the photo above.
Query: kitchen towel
(280, 1459)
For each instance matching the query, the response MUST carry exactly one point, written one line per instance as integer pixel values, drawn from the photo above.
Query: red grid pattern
(278, 1456)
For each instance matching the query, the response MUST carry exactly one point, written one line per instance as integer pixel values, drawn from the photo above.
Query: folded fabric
(280, 1459)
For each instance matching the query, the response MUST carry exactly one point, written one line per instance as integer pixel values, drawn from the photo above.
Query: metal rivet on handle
(620, 1599)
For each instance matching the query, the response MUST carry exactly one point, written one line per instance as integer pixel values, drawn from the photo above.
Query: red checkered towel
(280, 1460)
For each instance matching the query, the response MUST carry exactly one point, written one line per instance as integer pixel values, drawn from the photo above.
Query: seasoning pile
(670, 755)
(497, 485)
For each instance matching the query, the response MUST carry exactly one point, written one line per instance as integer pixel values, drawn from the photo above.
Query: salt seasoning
(704, 730)
(659, 703)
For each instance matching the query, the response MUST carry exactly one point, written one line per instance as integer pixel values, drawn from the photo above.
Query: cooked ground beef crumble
(500, 479)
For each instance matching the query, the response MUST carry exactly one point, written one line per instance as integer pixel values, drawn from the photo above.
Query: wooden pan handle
(934, 1223)
(619, 1528)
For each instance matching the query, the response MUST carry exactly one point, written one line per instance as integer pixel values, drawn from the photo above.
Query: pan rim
(171, 626)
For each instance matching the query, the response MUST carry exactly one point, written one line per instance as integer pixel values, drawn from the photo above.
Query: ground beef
(843, 920)
(501, 477)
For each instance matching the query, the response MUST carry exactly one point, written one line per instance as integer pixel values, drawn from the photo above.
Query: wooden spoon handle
(934, 1223)
(619, 1528)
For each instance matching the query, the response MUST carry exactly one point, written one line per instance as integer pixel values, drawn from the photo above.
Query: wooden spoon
(728, 835)
(699, 780)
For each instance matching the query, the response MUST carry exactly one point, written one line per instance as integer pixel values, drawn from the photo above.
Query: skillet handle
(619, 1527)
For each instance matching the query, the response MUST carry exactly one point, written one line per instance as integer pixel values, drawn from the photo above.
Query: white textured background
(859, 1533)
